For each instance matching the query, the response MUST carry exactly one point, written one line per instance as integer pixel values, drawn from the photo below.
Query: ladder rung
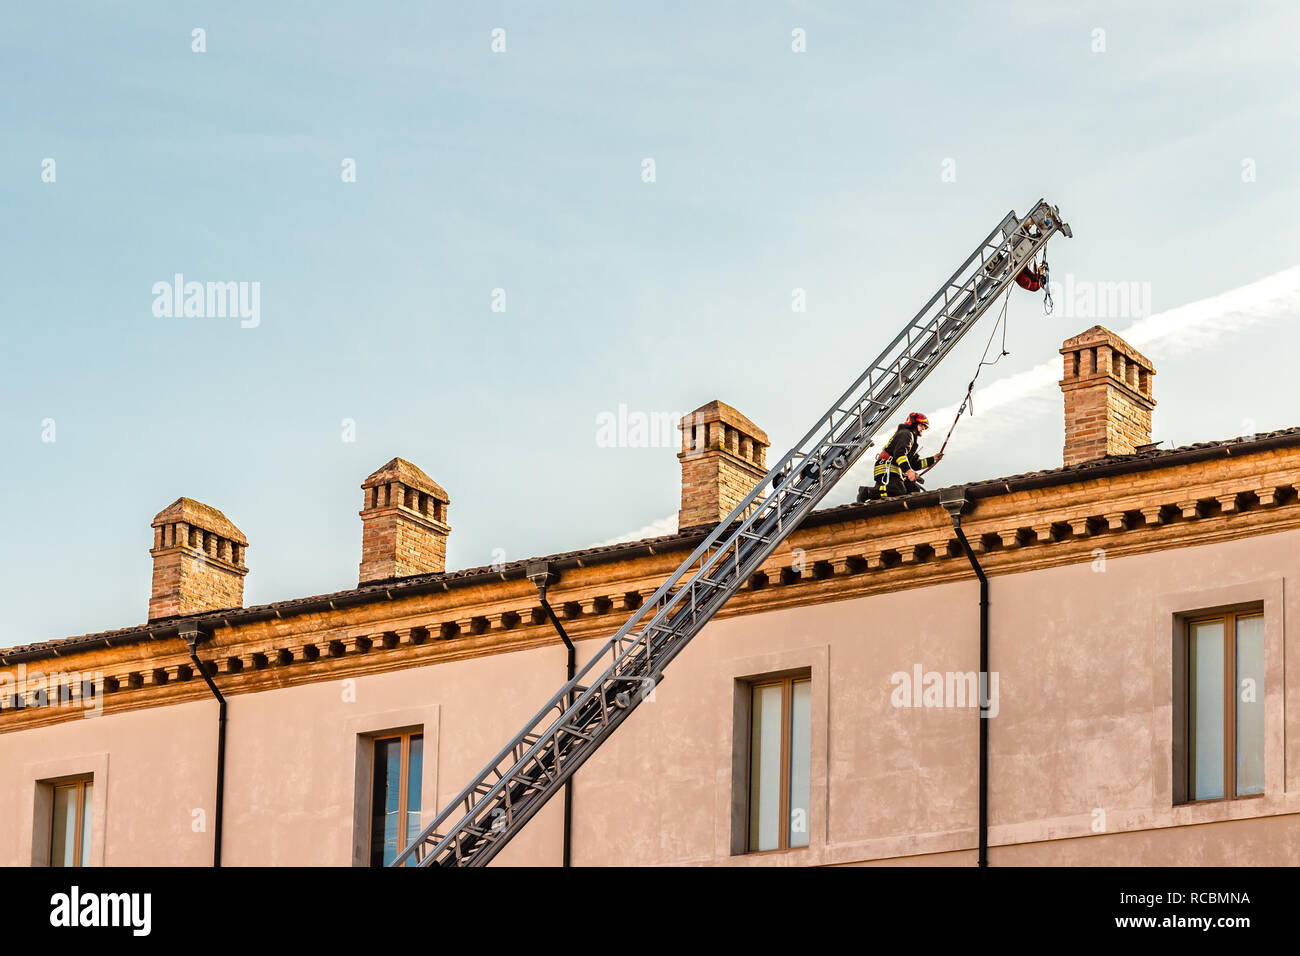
(571, 729)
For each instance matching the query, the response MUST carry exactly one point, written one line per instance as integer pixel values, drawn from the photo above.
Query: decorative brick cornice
(1198, 503)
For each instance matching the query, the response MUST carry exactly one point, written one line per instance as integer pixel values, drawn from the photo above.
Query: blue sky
(521, 171)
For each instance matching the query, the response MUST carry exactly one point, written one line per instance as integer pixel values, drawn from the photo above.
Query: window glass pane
(414, 773)
(1250, 704)
(87, 810)
(765, 768)
(384, 800)
(63, 829)
(800, 754)
(1205, 710)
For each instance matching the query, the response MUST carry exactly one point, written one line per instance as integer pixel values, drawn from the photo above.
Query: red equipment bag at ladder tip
(1028, 279)
(1033, 277)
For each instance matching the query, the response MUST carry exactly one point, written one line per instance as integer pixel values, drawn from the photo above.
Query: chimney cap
(199, 515)
(719, 411)
(401, 470)
(1100, 335)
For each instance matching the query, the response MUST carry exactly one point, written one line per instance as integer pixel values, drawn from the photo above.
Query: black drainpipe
(541, 575)
(954, 500)
(192, 638)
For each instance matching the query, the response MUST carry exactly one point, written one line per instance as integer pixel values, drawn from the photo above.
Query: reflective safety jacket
(898, 456)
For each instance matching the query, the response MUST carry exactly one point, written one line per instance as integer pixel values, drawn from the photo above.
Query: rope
(1048, 304)
(970, 389)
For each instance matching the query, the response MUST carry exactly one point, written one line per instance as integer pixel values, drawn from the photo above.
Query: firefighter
(898, 463)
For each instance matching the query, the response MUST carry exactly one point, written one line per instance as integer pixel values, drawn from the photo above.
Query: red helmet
(917, 418)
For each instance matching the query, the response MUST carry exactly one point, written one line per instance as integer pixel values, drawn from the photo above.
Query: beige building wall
(297, 772)
(1085, 723)
(152, 769)
(1083, 734)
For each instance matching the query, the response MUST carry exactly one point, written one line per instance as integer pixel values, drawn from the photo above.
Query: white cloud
(1193, 327)
(655, 529)
(1203, 323)
(1031, 394)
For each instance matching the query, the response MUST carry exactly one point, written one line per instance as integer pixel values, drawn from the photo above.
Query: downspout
(542, 576)
(954, 500)
(192, 638)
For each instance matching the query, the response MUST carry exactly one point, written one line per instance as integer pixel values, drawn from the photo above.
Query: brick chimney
(198, 560)
(403, 523)
(723, 456)
(1108, 403)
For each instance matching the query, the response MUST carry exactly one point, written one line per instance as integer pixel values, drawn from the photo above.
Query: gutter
(540, 574)
(955, 502)
(192, 636)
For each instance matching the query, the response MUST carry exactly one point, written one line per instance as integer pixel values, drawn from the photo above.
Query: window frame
(786, 682)
(404, 774)
(85, 813)
(1228, 618)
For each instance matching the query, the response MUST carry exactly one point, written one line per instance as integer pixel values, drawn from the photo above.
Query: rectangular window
(70, 822)
(1224, 716)
(395, 795)
(780, 745)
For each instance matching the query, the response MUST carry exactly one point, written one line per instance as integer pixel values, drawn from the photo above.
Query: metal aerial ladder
(531, 768)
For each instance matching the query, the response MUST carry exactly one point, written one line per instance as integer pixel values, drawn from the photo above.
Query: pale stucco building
(1142, 609)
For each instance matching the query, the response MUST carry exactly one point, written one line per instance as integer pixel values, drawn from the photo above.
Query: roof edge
(434, 583)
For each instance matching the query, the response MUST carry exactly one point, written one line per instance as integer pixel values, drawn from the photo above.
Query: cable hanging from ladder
(1044, 276)
(969, 400)
(1034, 277)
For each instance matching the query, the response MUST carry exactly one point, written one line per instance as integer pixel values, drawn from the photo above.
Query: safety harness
(885, 469)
